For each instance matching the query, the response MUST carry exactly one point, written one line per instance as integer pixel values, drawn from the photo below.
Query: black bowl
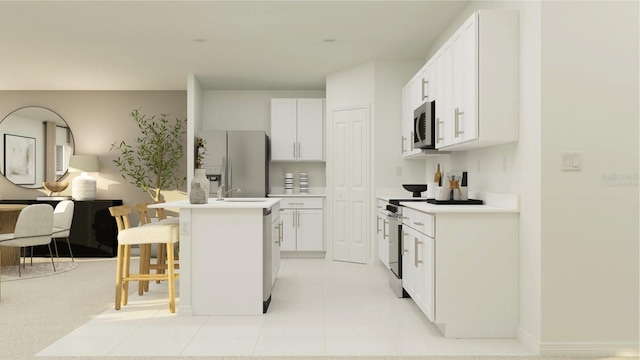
(416, 189)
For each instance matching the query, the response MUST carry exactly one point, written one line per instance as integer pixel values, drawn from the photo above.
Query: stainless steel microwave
(424, 122)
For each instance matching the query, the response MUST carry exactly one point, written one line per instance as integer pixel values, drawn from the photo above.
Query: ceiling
(232, 45)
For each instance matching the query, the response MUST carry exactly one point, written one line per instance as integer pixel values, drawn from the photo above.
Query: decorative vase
(196, 195)
(199, 177)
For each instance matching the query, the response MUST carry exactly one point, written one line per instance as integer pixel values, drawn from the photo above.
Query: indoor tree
(153, 164)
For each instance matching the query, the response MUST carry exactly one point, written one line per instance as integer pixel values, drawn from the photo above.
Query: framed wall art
(20, 159)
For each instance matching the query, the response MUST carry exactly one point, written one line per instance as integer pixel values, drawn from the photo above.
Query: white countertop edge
(298, 195)
(493, 202)
(214, 204)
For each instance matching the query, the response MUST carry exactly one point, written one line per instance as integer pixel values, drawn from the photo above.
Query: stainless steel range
(394, 219)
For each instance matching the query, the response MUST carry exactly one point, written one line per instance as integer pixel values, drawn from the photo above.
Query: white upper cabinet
(419, 89)
(484, 102)
(473, 79)
(297, 129)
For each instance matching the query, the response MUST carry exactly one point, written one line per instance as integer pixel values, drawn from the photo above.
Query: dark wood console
(93, 231)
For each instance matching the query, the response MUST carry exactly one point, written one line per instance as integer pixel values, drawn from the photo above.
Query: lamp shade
(84, 163)
(83, 187)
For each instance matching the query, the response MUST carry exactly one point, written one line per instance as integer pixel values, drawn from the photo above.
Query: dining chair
(142, 235)
(33, 227)
(62, 219)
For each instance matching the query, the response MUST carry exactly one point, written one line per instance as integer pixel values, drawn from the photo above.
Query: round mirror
(36, 146)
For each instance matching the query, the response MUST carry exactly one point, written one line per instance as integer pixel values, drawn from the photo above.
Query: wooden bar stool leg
(126, 274)
(145, 260)
(161, 259)
(171, 278)
(119, 273)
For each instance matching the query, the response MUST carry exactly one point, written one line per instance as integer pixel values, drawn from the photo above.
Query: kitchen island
(225, 255)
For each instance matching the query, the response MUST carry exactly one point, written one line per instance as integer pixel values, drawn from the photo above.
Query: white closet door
(350, 185)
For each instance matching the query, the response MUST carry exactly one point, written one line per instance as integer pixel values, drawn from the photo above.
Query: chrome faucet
(222, 193)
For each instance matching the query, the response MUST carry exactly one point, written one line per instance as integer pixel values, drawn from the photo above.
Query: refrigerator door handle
(230, 172)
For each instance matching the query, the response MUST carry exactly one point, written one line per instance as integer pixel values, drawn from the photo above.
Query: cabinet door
(426, 275)
(276, 237)
(310, 230)
(443, 94)
(283, 129)
(428, 82)
(310, 129)
(465, 81)
(287, 216)
(409, 270)
(382, 231)
(412, 98)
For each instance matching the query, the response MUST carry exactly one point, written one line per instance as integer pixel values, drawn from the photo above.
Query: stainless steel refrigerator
(237, 160)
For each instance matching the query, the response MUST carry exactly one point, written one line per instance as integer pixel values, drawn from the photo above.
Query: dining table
(8, 217)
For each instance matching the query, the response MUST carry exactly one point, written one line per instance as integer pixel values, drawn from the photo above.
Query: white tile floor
(318, 307)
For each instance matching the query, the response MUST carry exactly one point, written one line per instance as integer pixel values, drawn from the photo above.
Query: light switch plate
(571, 161)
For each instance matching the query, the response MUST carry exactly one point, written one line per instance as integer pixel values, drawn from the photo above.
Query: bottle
(438, 176)
(464, 191)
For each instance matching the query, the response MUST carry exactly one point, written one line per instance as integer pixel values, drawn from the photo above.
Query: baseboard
(590, 348)
(529, 340)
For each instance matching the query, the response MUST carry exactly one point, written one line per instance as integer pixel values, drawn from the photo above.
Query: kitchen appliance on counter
(237, 160)
(394, 219)
(424, 123)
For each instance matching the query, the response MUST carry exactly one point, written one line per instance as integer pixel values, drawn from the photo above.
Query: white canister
(442, 193)
(431, 190)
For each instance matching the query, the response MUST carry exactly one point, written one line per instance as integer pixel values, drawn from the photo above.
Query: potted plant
(153, 165)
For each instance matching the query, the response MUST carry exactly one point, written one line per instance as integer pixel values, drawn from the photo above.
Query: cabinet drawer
(420, 221)
(301, 203)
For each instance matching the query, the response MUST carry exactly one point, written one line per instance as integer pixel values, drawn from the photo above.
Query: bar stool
(145, 250)
(167, 235)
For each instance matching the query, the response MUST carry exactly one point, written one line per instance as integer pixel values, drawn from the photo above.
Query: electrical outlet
(571, 161)
(184, 228)
(398, 170)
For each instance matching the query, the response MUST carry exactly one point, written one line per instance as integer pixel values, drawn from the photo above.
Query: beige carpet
(10, 273)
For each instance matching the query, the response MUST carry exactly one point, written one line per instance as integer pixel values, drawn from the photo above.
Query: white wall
(390, 171)
(97, 119)
(590, 218)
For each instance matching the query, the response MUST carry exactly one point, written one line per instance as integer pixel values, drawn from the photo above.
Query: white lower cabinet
(382, 233)
(302, 224)
(276, 241)
(461, 269)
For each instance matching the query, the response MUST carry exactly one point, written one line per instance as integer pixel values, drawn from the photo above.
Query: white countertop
(493, 203)
(244, 203)
(435, 209)
(297, 195)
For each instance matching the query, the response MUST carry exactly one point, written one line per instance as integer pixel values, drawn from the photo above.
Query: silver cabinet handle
(384, 227)
(457, 122)
(280, 232)
(403, 139)
(416, 261)
(418, 223)
(378, 225)
(424, 94)
(299, 154)
(438, 123)
(294, 150)
(296, 203)
(411, 141)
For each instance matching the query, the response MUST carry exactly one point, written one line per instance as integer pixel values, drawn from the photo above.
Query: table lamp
(83, 187)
